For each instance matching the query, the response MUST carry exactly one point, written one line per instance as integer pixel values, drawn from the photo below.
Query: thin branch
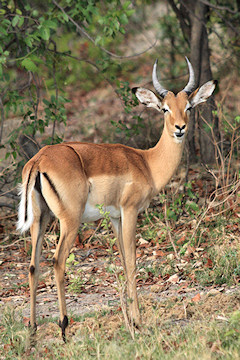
(2, 119)
(218, 7)
(36, 104)
(228, 23)
(183, 3)
(9, 194)
(169, 229)
(7, 205)
(92, 64)
(14, 243)
(185, 27)
(56, 88)
(84, 33)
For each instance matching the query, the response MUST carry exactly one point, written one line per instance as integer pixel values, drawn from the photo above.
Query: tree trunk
(192, 15)
(200, 58)
(208, 126)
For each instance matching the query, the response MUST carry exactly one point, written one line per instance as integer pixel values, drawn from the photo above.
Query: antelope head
(176, 108)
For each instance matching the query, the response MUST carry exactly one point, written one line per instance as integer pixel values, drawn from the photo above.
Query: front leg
(127, 242)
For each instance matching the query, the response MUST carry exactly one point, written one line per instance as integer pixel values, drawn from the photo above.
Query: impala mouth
(179, 136)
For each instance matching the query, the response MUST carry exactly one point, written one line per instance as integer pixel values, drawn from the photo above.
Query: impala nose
(180, 127)
(180, 131)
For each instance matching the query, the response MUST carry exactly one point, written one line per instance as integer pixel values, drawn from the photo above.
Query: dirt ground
(175, 299)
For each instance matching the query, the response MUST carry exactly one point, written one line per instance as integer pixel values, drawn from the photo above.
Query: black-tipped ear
(134, 90)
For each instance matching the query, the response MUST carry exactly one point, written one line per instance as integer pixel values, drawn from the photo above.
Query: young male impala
(70, 179)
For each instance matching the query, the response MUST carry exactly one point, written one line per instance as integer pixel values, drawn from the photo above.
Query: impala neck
(163, 159)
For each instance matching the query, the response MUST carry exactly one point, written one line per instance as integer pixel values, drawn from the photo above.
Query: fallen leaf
(213, 292)
(26, 320)
(22, 276)
(181, 240)
(142, 241)
(87, 234)
(173, 279)
(158, 253)
(196, 298)
(209, 263)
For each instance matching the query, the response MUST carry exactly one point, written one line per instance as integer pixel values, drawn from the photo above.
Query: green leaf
(50, 24)
(29, 65)
(15, 20)
(21, 21)
(18, 11)
(70, 259)
(28, 40)
(126, 5)
(123, 19)
(44, 33)
(65, 17)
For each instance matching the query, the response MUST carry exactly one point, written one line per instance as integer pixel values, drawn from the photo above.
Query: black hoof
(63, 324)
(33, 328)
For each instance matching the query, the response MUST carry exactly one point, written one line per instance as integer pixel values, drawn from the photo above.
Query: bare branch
(7, 205)
(92, 64)
(83, 32)
(218, 7)
(2, 119)
(185, 27)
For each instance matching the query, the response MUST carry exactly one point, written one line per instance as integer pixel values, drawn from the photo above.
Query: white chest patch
(92, 213)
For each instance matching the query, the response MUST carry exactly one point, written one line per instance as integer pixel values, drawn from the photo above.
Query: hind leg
(38, 228)
(69, 228)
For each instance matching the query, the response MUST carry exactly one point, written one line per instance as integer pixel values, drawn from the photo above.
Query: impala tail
(25, 210)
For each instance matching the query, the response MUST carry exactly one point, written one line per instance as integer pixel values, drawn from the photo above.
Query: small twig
(169, 230)
(211, 205)
(2, 119)
(15, 242)
(122, 295)
(95, 231)
(7, 205)
(8, 216)
(219, 7)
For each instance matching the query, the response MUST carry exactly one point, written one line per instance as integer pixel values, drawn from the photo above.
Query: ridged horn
(159, 88)
(191, 82)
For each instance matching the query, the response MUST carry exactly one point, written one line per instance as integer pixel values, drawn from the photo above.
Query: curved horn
(160, 89)
(191, 82)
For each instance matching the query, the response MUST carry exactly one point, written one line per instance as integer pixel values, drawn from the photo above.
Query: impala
(68, 180)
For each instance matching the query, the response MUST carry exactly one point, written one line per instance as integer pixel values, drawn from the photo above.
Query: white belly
(92, 213)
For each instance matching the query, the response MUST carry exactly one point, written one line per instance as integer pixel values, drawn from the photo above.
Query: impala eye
(164, 110)
(189, 108)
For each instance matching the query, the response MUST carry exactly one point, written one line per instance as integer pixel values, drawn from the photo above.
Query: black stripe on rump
(51, 185)
(38, 184)
(26, 199)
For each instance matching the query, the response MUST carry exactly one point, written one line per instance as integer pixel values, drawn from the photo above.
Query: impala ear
(147, 98)
(203, 93)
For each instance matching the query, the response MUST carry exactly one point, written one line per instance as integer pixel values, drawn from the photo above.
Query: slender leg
(117, 229)
(127, 240)
(38, 229)
(68, 234)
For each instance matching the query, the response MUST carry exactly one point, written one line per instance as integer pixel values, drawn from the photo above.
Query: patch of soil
(98, 291)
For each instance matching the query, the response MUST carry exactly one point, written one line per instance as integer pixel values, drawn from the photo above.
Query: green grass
(104, 336)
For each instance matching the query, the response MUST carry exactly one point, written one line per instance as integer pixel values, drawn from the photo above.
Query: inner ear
(148, 98)
(202, 94)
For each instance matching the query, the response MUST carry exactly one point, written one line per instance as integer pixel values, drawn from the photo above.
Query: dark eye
(189, 108)
(164, 110)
